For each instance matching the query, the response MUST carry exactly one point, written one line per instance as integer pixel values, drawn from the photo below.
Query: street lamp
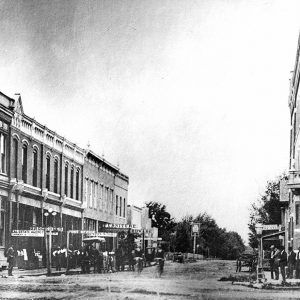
(259, 229)
(49, 243)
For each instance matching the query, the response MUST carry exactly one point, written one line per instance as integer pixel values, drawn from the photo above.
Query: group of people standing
(280, 260)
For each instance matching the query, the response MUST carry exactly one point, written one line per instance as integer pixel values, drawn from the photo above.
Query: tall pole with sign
(195, 231)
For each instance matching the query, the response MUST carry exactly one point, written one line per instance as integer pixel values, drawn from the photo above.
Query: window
(120, 212)
(86, 192)
(117, 204)
(77, 185)
(72, 183)
(3, 153)
(96, 195)
(297, 209)
(101, 197)
(34, 167)
(15, 159)
(66, 178)
(48, 172)
(24, 163)
(124, 207)
(91, 194)
(56, 176)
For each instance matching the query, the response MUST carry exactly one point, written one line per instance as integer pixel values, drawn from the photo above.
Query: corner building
(46, 180)
(290, 188)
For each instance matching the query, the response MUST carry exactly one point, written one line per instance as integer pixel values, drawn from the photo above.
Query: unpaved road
(180, 281)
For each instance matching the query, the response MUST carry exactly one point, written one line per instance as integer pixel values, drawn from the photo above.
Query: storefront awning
(273, 234)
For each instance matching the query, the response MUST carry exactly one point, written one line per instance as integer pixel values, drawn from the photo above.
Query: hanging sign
(32, 233)
(271, 227)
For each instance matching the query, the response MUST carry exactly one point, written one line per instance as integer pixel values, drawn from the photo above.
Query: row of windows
(120, 206)
(101, 197)
(51, 179)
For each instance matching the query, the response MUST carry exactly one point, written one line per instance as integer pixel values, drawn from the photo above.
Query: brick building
(46, 180)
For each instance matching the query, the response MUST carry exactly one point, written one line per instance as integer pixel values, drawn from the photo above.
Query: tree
(183, 242)
(266, 210)
(212, 240)
(161, 219)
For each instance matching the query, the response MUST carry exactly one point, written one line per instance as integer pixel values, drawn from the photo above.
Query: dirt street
(180, 281)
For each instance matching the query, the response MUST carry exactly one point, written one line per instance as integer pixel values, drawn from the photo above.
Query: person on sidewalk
(10, 259)
(276, 262)
(283, 264)
(298, 264)
(272, 261)
(291, 263)
(57, 258)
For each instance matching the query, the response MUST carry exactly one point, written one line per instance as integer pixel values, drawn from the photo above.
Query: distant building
(138, 219)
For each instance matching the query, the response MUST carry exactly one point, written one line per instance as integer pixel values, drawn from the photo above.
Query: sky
(190, 98)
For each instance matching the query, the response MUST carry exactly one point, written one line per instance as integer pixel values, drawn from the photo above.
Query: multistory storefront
(290, 196)
(46, 181)
(104, 198)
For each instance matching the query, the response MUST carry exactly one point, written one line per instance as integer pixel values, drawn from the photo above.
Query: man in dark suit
(282, 263)
(291, 262)
(10, 259)
(272, 261)
(298, 264)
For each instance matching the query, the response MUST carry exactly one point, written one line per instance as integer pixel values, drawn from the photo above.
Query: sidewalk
(39, 272)
(293, 282)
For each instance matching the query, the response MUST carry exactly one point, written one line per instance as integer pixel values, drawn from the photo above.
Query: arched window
(15, 158)
(66, 178)
(3, 153)
(34, 167)
(77, 184)
(48, 160)
(56, 176)
(72, 183)
(24, 163)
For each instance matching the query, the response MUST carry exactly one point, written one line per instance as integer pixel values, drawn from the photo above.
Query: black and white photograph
(149, 149)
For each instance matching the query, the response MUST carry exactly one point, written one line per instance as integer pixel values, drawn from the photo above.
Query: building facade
(290, 187)
(138, 219)
(48, 181)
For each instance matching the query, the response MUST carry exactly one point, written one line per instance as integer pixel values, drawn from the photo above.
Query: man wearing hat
(272, 262)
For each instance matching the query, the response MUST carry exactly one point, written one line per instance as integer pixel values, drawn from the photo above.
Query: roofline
(102, 159)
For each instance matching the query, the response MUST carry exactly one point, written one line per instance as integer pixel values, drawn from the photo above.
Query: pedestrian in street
(291, 263)
(283, 264)
(10, 259)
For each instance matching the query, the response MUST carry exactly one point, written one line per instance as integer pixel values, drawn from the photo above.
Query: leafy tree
(161, 219)
(232, 245)
(212, 239)
(266, 210)
(183, 241)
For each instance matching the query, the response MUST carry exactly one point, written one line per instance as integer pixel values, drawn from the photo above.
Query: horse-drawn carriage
(95, 255)
(248, 260)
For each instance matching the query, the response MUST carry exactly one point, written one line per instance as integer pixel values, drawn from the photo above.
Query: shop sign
(118, 226)
(271, 227)
(32, 233)
(48, 228)
(82, 231)
(106, 234)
